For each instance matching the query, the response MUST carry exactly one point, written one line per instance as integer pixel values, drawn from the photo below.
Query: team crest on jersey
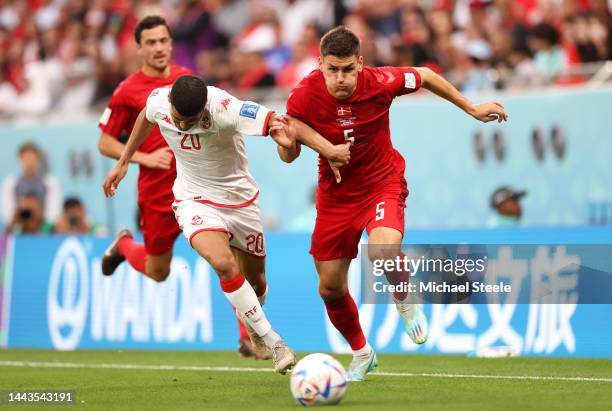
(196, 220)
(225, 103)
(249, 110)
(345, 116)
(344, 111)
(166, 119)
(206, 121)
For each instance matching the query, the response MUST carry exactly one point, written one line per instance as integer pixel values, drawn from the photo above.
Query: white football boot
(415, 322)
(360, 366)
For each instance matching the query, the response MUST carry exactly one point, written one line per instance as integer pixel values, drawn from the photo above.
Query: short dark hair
(188, 95)
(147, 23)
(71, 202)
(340, 42)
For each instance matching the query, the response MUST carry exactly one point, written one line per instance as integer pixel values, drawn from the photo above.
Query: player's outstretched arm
(111, 147)
(484, 112)
(288, 155)
(338, 155)
(288, 148)
(142, 128)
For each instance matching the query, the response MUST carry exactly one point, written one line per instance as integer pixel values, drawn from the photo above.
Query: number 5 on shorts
(380, 211)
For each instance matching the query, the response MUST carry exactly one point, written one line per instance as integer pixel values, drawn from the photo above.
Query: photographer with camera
(74, 219)
(28, 217)
(33, 179)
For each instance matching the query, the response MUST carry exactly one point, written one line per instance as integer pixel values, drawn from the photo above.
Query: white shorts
(243, 225)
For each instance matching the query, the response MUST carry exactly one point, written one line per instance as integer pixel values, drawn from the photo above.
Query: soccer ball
(318, 379)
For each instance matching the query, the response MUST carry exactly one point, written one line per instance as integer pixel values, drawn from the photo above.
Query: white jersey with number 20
(211, 161)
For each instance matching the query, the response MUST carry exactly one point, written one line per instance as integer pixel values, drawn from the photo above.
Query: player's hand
(487, 112)
(284, 121)
(160, 158)
(280, 137)
(336, 171)
(111, 182)
(339, 155)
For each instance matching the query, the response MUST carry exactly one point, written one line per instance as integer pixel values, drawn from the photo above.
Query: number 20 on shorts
(255, 243)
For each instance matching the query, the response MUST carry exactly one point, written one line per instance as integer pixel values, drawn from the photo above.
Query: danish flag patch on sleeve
(105, 116)
(409, 81)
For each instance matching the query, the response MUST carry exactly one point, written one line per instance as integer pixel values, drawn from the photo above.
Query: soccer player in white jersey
(215, 195)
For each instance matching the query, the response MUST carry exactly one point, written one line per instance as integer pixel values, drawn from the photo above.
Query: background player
(157, 165)
(347, 102)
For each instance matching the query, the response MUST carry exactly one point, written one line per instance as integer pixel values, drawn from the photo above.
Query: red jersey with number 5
(362, 119)
(130, 97)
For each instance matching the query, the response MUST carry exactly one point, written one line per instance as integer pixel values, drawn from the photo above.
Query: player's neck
(153, 72)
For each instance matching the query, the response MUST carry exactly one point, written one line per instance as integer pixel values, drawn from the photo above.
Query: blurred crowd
(69, 54)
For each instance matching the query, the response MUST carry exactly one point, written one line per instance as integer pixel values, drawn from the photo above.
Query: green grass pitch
(145, 380)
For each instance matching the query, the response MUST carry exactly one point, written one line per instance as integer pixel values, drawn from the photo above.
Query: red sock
(233, 284)
(134, 252)
(398, 277)
(345, 317)
(244, 334)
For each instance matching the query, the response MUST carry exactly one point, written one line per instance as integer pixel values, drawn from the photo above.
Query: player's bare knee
(225, 266)
(382, 252)
(159, 273)
(329, 292)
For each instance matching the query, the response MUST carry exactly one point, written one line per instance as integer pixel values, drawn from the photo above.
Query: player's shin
(344, 315)
(134, 252)
(411, 313)
(261, 350)
(242, 296)
(399, 278)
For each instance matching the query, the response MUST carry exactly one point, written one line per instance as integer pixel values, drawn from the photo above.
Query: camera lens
(25, 214)
(73, 221)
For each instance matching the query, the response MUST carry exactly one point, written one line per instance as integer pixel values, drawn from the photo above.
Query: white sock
(271, 338)
(246, 303)
(363, 352)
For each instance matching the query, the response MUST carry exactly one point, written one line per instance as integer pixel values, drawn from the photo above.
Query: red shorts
(339, 225)
(159, 229)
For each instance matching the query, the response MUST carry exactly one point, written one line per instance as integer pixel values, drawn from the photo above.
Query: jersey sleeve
(296, 103)
(246, 117)
(116, 115)
(404, 80)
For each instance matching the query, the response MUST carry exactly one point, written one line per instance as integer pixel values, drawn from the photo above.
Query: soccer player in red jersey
(157, 165)
(345, 101)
